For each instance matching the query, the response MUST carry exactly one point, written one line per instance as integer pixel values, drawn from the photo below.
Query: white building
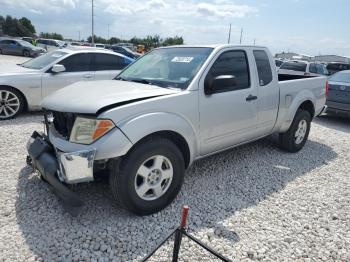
(294, 56)
(332, 58)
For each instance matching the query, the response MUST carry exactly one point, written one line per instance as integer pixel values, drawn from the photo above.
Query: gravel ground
(4, 59)
(254, 202)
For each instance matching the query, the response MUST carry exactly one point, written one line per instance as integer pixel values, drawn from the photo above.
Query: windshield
(341, 77)
(295, 66)
(43, 60)
(167, 67)
(128, 49)
(24, 43)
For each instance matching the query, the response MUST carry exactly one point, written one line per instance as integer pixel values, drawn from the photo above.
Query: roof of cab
(216, 46)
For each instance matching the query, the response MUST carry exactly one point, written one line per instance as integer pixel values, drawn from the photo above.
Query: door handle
(251, 98)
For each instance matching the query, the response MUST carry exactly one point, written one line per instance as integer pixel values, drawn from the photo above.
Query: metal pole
(240, 40)
(92, 23)
(79, 36)
(254, 40)
(108, 34)
(178, 234)
(229, 35)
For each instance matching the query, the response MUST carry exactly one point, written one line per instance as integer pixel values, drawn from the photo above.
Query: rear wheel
(11, 103)
(149, 177)
(26, 53)
(295, 138)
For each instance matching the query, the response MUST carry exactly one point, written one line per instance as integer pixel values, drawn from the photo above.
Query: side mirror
(222, 82)
(58, 68)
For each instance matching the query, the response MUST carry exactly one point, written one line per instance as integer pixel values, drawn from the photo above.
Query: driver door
(228, 114)
(78, 68)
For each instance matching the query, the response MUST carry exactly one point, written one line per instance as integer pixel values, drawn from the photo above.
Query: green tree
(27, 24)
(14, 27)
(177, 40)
(97, 39)
(51, 36)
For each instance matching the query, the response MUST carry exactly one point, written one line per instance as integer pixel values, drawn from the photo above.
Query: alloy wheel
(301, 132)
(9, 104)
(153, 177)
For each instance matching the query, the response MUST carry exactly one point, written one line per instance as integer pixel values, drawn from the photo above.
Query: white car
(23, 86)
(300, 69)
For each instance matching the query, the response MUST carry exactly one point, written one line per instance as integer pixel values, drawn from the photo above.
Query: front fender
(143, 125)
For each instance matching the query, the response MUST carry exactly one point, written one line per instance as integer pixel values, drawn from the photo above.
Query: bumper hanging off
(58, 168)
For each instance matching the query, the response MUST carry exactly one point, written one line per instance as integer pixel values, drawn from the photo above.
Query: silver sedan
(23, 86)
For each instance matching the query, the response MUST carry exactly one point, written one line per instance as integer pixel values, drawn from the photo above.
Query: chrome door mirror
(58, 68)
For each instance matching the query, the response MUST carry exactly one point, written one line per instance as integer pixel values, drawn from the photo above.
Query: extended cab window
(109, 62)
(263, 66)
(78, 62)
(233, 63)
(312, 68)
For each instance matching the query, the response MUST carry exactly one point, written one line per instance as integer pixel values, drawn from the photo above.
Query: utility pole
(92, 24)
(254, 40)
(108, 34)
(240, 40)
(78, 36)
(229, 35)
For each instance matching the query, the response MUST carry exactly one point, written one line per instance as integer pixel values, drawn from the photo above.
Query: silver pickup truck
(171, 107)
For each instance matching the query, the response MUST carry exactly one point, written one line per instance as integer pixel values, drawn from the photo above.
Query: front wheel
(11, 103)
(26, 53)
(149, 177)
(295, 138)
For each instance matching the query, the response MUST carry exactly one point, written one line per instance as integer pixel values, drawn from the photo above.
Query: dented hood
(91, 97)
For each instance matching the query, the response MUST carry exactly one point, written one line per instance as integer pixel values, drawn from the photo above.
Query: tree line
(148, 41)
(23, 27)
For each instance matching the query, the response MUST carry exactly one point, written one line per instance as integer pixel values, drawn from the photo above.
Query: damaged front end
(58, 168)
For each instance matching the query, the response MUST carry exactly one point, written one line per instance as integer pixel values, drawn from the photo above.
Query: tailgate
(339, 92)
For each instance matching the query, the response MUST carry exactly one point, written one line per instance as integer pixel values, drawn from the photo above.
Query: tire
(11, 103)
(0, 52)
(295, 138)
(126, 182)
(26, 53)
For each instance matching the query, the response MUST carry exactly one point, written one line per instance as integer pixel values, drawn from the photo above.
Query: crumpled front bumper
(58, 167)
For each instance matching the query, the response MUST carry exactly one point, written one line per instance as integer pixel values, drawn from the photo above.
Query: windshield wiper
(142, 81)
(137, 80)
(120, 78)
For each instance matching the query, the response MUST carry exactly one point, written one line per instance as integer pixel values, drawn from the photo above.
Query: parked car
(51, 44)
(23, 86)
(297, 68)
(125, 51)
(338, 100)
(28, 39)
(75, 44)
(100, 45)
(169, 108)
(19, 47)
(336, 67)
(278, 63)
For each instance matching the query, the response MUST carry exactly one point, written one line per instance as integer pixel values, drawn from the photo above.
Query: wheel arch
(25, 107)
(308, 106)
(174, 137)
